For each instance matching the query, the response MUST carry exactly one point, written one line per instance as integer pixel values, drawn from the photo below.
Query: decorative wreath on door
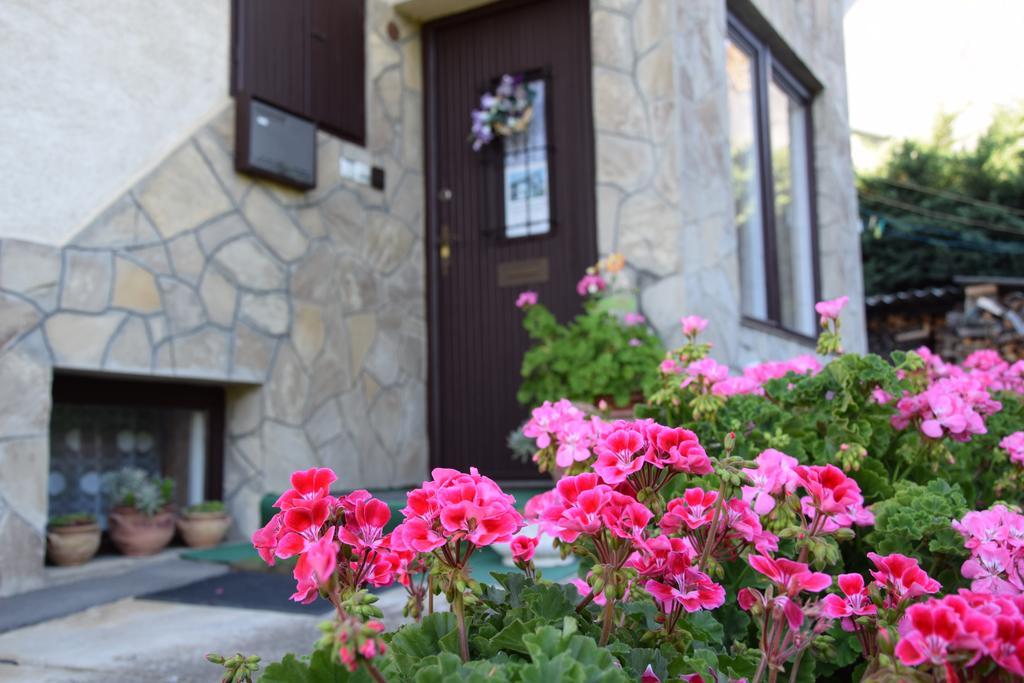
(504, 112)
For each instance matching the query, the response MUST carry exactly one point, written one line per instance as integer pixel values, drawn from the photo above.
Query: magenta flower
(523, 548)
(632, 319)
(829, 310)
(855, 601)
(901, 578)
(527, 298)
(590, 284)
(774, 476)
(932, 629)
(693, 324)
(790, 577)
(620, 454)
(1014, 447)
(694, 510)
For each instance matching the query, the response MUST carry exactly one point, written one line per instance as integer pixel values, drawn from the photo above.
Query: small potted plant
(606, 357)
(203, 525)
(141, 520)
(72, 539)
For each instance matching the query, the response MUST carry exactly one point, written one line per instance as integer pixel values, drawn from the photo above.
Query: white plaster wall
(94, 93)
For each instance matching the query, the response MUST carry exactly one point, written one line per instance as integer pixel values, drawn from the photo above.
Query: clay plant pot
(203, 529)
(135, 533)
(72, 544)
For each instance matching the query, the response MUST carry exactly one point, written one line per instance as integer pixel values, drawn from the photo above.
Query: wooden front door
(516, 215)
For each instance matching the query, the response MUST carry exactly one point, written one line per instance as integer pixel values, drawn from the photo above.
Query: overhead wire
(948, 194)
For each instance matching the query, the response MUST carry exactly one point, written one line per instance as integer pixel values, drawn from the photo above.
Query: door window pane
(526, 183)
(746, 180)
(790, 165)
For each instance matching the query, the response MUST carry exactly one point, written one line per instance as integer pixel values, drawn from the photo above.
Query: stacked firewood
(992, 318)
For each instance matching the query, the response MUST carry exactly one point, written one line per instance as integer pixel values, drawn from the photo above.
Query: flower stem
(796, 666)
(609, 619)
(584, 602)
(375, 673)
(459, 607)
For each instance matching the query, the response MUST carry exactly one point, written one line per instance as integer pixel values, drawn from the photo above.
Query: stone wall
(310, 307)
(664, 181)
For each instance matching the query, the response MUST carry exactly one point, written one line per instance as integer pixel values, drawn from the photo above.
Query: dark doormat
(250, 590)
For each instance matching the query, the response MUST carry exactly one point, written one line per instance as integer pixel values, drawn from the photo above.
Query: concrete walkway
(132, 641)
(94, 629)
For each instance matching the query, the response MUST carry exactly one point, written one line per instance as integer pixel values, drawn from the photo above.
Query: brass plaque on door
(529, 271)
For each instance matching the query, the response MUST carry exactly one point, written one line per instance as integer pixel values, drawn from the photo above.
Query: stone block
(286, 391)
(308, 332)
(324, 424)
(32, 270)
(624, 162)
(182, 193)
(252, 355)
(362, 328)
(652, 22)
(87, 281)
(204, 353)
(219, 297)
(80, 340)
(17, 317)
(386, 242)
(649, 230)
(244, 409)
(618, 106)
(135, 288)
(182, 305)
(121, 225)
(187, 257)
(24, 463)
(331, 375)
(220, 158)
(222, 230)
(611, 40)
(21, 563)
(655, 73)
(269, 313)
(270, 222)
(131, 350)
(250, 265)
(285, 449)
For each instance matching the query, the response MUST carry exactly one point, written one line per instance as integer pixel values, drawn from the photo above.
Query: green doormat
(484, 561)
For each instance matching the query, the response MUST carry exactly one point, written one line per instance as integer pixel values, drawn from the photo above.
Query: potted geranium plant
(605, 357)
(72, 539)
(141, 521)
(203, 525)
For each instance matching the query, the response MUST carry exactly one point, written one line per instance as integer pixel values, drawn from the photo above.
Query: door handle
(444, 249)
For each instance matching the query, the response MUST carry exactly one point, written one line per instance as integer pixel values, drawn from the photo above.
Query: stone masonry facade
(310, 307)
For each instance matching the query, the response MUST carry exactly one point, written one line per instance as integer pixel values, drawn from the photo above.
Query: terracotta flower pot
(203, 529)
(72, 544)
(135, 533)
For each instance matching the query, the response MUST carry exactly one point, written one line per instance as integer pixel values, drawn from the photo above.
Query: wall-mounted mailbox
(273, 143)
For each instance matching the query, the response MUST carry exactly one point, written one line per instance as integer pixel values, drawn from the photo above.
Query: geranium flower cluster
(832, 500)
(953, 406)
(566, 430)
(710, 376)
(964, 631)
(453, 507)
(648, 455)
(985, 365)
(339, 541)
(995, 538)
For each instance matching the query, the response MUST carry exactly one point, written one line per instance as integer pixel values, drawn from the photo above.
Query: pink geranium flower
(591, 284)
(790, 577)
(523, 548)
(620, 454)
(1014, 446)
(527, 298)
(774, 476)
(854, 602)
(829, 310)
(694, 510)
(901, 578)
(693, 324)
(932, 629)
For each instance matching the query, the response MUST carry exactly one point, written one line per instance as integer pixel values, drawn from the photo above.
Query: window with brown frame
(771, 146)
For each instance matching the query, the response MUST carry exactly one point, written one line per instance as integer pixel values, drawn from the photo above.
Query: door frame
(428, 37)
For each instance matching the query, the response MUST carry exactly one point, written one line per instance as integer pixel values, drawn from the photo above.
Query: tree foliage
(935, 210)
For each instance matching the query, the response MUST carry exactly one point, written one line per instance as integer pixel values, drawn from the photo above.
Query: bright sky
(908, 60)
